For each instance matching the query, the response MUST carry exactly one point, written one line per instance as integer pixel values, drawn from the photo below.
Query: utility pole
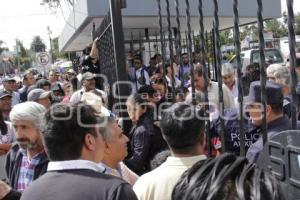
(50, 41)
(18, 59)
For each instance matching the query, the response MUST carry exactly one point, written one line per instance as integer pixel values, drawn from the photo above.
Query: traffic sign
(43, 58)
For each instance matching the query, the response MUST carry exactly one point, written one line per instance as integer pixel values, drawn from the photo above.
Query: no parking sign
(42, 58)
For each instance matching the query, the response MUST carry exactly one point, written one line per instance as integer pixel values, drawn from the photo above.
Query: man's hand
(4, 189)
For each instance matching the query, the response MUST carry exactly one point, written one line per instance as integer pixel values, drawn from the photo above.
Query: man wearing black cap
(88, 85)
(9, 84)
(5, 103)
(276, 120)
(40, 96)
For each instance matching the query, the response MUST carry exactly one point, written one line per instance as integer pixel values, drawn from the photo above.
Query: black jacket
(13, 166)
(232, 131)
(145, 142)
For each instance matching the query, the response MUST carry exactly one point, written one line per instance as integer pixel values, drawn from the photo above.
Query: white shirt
(177, 82)
(74, 164)
(158, 184)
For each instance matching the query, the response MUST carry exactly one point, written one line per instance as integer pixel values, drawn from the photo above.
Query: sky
(24, 19)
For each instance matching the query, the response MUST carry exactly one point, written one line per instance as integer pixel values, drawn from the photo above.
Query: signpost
(43, 59)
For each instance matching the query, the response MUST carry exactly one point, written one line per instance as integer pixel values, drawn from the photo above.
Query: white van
(252, 56)
(285, 49)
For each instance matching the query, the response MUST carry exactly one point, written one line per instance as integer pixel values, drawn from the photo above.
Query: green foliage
(297, 24)
(226, 37)
(276, 27)
(24, 57)
(2, 48)
(55, 50)
(37, 45)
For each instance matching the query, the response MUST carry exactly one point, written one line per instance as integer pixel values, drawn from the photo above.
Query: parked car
(252, 56)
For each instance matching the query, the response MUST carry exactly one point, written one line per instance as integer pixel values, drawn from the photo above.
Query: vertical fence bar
(178, 35)
(148, 41)
(118, 47)
(186, 43)
(140, 45)
(156, 42)
(208, 53)
(131, 44)
(214, 52)
(239, 76)
(219, 69)
(205, 74)
(194, 44)
(188, 18)
(94, 31)
(262, 67)
(161, 36)
(170, 49)
(292, 46)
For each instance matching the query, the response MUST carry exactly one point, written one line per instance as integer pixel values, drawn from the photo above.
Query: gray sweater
(78, 184)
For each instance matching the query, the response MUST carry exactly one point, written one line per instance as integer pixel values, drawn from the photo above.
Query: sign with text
(43, 58)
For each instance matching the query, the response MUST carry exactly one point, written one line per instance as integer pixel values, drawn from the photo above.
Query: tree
(250, 30)
(25, 60)
(297, 24)
(37, 44)
(226, 37)
(276, 27)
(2, 48)
(22, 51)
(55, 50)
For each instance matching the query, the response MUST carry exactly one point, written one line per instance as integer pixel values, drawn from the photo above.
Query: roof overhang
(141, 14)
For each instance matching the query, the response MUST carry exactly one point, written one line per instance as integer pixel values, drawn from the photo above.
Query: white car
(252, 56)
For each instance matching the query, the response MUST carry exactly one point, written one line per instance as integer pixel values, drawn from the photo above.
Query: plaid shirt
(27, 170)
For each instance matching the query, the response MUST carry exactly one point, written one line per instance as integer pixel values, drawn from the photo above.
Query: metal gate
(167, 39)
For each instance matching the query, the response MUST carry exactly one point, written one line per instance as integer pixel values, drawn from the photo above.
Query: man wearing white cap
(88, 85)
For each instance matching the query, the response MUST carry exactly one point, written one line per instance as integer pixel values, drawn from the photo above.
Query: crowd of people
(60, 139)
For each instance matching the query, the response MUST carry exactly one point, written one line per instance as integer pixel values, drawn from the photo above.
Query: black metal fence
(168, 42)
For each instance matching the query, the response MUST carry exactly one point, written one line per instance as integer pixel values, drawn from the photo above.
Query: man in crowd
(184, 130)
(40, 96)
(53, 77)
(212, 89)
(116, 151)
(138, 74)
(9, 84)
(276, 120)
(184, 70)
(28, 80)
(228, 76)
(5, 103)
(169, 76)
(75, 146)
(282, 77)
(88, 85)
(27, 160)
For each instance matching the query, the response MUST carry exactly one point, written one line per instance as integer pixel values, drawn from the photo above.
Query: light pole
(18, 59)
(50, 41)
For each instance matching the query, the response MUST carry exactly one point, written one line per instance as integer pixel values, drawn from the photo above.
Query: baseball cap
(36, 94)
(88, 76)
(9, 78)
(71, 71)
(4, 93)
